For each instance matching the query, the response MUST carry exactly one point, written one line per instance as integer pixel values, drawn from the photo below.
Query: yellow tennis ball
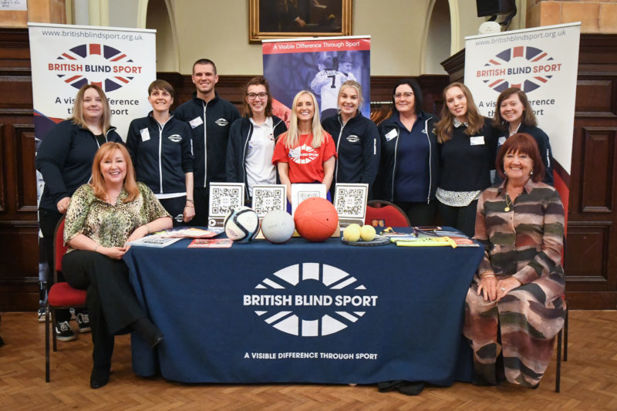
(351, 232)
(367, 233)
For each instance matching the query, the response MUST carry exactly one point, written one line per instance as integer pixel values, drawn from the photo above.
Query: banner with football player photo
(541, 61)
(318, 65)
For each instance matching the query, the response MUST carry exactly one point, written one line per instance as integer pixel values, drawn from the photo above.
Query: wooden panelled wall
(591, 263)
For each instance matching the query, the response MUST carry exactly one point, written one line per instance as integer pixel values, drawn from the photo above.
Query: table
(304, 312)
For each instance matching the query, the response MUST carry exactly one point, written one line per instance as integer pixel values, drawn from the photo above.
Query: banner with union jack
(541, 61)
(65, 57)
(122, 61)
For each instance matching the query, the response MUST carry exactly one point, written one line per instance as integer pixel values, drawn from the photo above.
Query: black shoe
(99, 377)
(156, 341)
(148, 331)
(83, 321)
(64, 331)
(41, 314)
(411, 388)
(402, 386)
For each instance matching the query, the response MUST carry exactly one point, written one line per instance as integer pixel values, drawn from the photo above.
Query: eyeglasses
(406, 94)
(253, 96)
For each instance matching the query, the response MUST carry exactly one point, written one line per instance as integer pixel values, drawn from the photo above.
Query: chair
(60, 296)
(562, 337)
(562, 342)
(384, 214)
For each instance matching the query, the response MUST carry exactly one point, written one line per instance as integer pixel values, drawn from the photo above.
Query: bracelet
(189, 200)
(189, 206)
(490, 275)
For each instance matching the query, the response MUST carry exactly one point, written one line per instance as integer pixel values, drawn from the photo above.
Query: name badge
(391, 134)
(476, 141)
(196, 122)
(145, 134)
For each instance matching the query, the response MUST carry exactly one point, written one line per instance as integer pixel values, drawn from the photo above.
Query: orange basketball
(316, 219)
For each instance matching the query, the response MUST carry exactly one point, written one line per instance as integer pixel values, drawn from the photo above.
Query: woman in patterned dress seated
(102, 218)
(514, 307)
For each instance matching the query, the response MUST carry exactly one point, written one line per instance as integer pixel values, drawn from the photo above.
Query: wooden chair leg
(565, 337)
(558, 372)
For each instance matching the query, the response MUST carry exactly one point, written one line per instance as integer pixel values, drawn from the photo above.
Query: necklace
(508, 203)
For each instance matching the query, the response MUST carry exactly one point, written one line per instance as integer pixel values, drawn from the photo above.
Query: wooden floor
(589, 380)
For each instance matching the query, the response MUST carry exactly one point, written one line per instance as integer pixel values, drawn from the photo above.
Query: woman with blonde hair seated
(514, 307)
(102, 218)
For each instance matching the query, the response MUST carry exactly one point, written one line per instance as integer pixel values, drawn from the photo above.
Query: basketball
(316, 219)
(277, 226)
(242, 224)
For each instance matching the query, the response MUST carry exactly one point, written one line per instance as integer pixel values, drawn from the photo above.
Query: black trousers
(419, 213)
(201, 197)
(48, 220)
(110, 298)
(462, 218)
(175, 207)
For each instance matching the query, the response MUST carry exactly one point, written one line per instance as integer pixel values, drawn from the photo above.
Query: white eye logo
(175, 138)
(221, 122)
(353, 138)
(310, 300)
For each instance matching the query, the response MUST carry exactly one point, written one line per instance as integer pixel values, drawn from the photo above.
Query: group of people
(434, 169)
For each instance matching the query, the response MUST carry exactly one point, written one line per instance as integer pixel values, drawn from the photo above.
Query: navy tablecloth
(304, 312)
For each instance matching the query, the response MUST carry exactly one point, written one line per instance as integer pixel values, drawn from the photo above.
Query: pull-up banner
(317, 65)
(65, 57)
(122, 61)
(543, 62)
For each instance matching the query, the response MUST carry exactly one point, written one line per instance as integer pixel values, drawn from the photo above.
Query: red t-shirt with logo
(305, 162)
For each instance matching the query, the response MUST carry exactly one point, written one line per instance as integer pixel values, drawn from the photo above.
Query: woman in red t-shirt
(306, 153)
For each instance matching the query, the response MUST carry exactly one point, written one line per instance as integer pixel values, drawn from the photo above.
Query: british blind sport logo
(95, 63)
(310, 300)
(524, 67)
(303, 154)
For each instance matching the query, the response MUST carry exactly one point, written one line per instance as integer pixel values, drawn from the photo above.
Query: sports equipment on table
(316, 219)
(242, 224)
(277, 226)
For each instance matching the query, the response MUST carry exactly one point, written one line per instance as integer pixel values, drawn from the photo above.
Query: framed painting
(276, 19)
